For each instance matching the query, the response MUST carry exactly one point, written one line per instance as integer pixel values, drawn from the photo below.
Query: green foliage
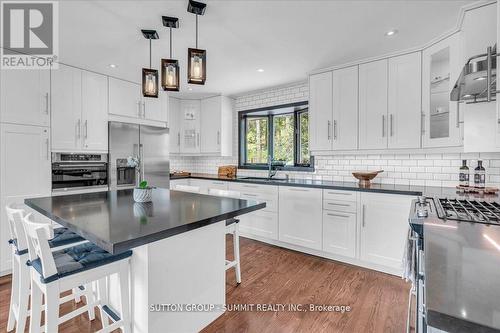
(283, 138)
(257, 140)
(304, 157)
(143, 184)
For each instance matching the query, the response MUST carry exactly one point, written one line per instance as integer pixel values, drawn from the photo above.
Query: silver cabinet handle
(218, 137)
(422, 125)
(139, 109)
(458, 114)
(79, 128)
(328, 129)
(250, 186)
(339, 193)
(179, 139)
(48, 148)
(363, 220)
(143, 109)
(198, 135)
(335, 130)
(383, 125)
(338, 204)
(141, 159)
(337, 215)
(46, 103)
(218, 183)
(249, 194)
(390, 119)
(488, 73)
(298, 190)
(86, 129)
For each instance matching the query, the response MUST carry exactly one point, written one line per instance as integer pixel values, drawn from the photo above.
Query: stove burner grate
(469, 210)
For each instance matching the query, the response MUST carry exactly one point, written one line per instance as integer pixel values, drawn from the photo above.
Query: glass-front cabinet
(441, 119)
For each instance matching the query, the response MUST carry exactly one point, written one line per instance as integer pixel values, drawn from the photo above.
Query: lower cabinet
(384, 228)
(300, 216)
(260, 223)
(339, 233)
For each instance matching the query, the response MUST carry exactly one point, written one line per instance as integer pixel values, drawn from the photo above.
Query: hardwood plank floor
(272, 275)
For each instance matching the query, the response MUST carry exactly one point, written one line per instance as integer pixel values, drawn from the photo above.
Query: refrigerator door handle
(141, 162)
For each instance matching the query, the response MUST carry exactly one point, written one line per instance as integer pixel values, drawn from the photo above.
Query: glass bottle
(464, 174)
(479, 175)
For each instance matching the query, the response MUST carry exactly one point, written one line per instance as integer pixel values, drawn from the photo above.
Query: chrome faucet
(272, 169)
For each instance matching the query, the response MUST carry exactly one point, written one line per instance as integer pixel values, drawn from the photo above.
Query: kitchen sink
(265, 179)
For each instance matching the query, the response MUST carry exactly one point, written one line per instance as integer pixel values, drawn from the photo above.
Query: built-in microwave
(79, 171)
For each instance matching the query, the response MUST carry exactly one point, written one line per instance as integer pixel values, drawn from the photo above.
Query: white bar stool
(20, 292)
(232, 227)
(59, 271)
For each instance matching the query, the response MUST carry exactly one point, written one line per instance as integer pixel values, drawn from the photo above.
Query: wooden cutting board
(227, 171)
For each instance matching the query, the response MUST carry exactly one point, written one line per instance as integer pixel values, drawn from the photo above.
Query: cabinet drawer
(270, 200)
(260, 223)
(338, 205)
(339, 233)
(339, 195)
(254, 188)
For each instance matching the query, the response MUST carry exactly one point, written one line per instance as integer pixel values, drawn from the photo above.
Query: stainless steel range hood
(477, 82)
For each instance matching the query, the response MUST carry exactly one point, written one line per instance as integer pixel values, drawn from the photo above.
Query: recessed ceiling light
(260, 70)
(391, 33)
(112, 65)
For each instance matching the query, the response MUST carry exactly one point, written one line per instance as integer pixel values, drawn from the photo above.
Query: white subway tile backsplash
(399, 168)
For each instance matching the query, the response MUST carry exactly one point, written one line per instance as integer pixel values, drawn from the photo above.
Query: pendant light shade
(197, 58)
(149, 75)
(170, 67)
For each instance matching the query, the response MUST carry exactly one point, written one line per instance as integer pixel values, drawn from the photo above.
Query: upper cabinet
(79, 110)
(125, 99)
(201, 127)
(404, 101)
(373, 105)
(321, 111)
(441, 66)
(345, 108)
(25, 97)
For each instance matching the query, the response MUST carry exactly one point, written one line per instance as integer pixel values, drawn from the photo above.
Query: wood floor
(272, 275)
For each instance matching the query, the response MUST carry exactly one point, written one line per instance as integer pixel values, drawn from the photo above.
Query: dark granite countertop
(113, 221)
(333, 185)
(462, 276)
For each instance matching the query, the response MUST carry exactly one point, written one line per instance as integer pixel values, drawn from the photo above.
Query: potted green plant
(143, 193)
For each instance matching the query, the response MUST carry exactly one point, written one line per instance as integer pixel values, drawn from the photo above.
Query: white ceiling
(287, 39)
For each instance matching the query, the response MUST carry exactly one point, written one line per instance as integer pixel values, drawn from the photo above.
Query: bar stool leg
(24, 295)
(89, 300)
(14, 295)
(36, 308)
(124, 297)
(236, 248)
(52, 307)
(76, 292)
(103, 298)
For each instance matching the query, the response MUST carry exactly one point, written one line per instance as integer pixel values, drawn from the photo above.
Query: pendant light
(197, 59)
(149, 75)
(170, 67)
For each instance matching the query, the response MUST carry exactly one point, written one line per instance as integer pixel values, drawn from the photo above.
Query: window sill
(289, 168)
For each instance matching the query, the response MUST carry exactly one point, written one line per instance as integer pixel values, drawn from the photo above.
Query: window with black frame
(279, 133)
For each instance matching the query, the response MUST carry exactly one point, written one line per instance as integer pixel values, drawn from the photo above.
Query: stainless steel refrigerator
(146, 143)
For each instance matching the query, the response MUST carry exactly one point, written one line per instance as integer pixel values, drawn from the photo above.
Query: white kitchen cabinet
(206, 185)
(174, 123)
(339, 233)
(79, 110)
(216, 125)
(441, 66)
(260, 223)
(373, 105)
(66, 108)
(300, 216)
(384, 228)
(124, 98)
(25, 171)
(25, 97)
(320, 111)
(345, 108)
(156, 108)
(190, 126)
(404, 101)
(94, 112)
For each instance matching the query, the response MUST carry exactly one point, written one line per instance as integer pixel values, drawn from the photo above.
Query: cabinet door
(405, 112)
(373, 105)
(155, 108)
(25, 97)
(190, 126)
(124, 98)
(210, 126)
(94, 112)
(300, 214)
(345, 108)
(260, 223)
(24, 172)
(320, 111)
(384, 228)
(66, 115)
(440, 69)
(174, 125)
(339, 233)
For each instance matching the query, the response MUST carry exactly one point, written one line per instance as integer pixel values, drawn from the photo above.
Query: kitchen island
(178, 243)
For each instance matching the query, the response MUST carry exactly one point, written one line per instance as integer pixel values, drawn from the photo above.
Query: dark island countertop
(332, 185)
(462, 276)
(114, 222)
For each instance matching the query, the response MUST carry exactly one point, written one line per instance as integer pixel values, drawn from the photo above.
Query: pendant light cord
(170, 43)
(150, 53)
(196, 30)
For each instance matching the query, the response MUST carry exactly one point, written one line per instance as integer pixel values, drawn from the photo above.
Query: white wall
(406, 169)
